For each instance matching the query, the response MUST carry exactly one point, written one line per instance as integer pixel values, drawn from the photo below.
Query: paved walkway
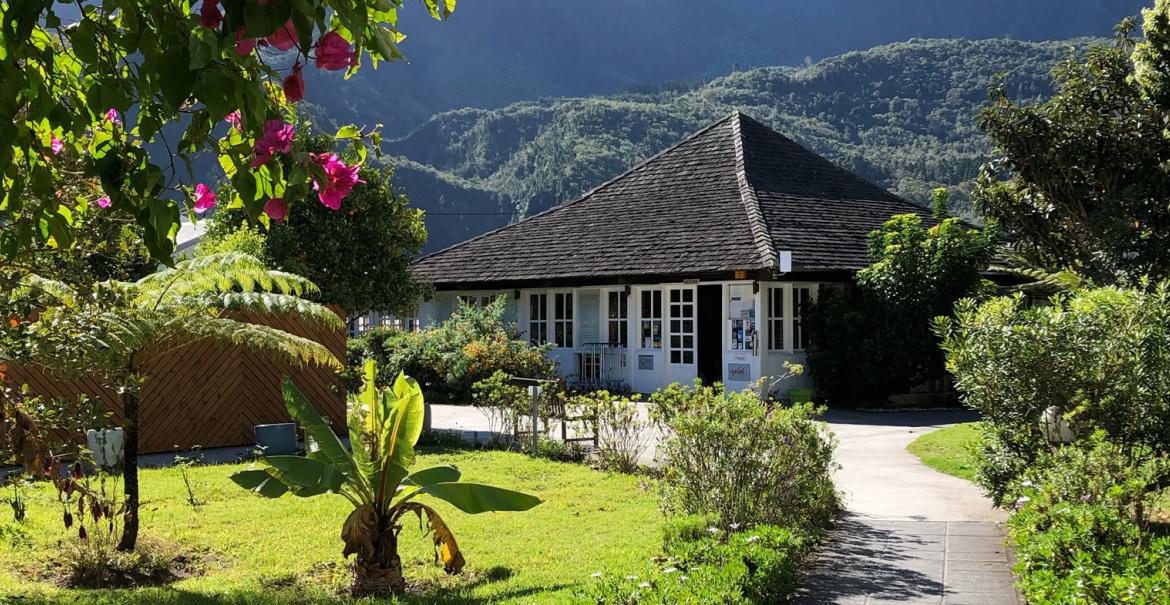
(910, 534)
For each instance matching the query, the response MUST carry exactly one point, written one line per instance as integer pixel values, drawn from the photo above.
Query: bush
(622, 432)
(874, 339)
(1081, 530)
(450, 358)
(759, 565)
(1102, 356)
(742, 460)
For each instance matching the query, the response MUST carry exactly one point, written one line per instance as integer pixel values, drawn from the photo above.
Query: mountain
(901, 115)
(489, 54)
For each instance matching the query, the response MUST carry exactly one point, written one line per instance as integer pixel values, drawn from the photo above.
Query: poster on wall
(739, 372)
(645, 362)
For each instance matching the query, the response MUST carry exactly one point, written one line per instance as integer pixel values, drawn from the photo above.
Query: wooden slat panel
(210, 395)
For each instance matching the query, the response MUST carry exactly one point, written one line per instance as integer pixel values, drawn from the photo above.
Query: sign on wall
(739, 372)
(645, 362)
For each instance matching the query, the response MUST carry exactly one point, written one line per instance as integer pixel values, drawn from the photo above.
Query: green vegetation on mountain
(902, 115)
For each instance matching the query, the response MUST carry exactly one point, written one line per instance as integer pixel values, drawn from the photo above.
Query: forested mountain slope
(902, 115)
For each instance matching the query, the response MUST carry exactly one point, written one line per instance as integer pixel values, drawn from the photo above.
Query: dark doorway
(710, 334)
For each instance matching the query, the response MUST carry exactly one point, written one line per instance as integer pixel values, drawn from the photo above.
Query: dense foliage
(359, 257)
(1100, 356)
(900, 115)
(703, 565)
(139, 89)
(875, 339)
(374, 475)
(1098, 207)
(448, 359)
(1081, 529)
(741, 460)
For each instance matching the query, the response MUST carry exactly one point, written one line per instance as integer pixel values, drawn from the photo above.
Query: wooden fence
(210, 395)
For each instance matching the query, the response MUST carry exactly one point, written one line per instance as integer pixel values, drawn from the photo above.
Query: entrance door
(681, 333)
(710, 333)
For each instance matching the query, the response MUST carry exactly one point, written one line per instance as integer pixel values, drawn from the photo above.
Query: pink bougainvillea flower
(233, 118)
(294, 84)
(285, 37)
(113, 117)
(334, 52)
(204, 198)
(340, 179)
(55, 144)
(277, 138)
(244, 45)
(103, 201)
(276, 209)
(209, 15)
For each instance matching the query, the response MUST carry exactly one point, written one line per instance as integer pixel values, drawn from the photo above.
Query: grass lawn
(289, 550)
(949, 450)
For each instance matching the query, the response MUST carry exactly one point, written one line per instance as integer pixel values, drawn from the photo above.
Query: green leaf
(261, 482)
(320, 440)
(431, 476)
(203, 46)
(411, 407)
(348, 132)
(264, 18)
(306, 476)
(474, 498)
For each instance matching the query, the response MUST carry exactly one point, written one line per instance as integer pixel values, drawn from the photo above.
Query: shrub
(742, 460)
(622, 432)
(448, 359)
(758, 565)
(1100, 355)
(874, 339)
(1081, 530)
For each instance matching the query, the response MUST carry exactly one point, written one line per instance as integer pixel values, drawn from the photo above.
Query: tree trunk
(130, 468)
(380, 574)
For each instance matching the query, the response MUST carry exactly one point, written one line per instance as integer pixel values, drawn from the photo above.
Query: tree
(117, 328)
(360, 257)
(140, 89)
(384, 426)
(1082, 184)
(876, 338)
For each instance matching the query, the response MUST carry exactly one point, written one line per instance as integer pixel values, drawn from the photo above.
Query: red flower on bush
(285, 37)
(334, 52)
(204, 198)
(277, 138)
(294, 84)
(341, 179)
(209, 14)
(244, 45)
(276, 209)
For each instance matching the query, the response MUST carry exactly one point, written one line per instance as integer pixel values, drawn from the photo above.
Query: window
(801, 300)
(682, 325)
(616, 315)
(472, 300)
(538, 318)
(563, 319)
(776, 319)
(651, 328)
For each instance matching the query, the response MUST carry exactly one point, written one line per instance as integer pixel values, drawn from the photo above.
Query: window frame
(537, 326)
(789, 322)
(619, 323)
(776, 294)
(567, 325)
(650, 321)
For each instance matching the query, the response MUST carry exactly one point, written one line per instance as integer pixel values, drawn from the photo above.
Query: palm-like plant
(384, 425)
(115, 329)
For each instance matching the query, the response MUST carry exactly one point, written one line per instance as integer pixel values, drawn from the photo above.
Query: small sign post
(534, 392)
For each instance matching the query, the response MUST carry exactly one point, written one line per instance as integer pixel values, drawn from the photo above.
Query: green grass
(272, 551)
(949, 450)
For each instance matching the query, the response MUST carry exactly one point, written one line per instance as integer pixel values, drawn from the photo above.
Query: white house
(699, 262)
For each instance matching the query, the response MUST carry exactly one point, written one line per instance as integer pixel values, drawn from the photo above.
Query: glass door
(681, 331)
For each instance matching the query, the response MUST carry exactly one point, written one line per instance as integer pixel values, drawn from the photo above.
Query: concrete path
(910, 534)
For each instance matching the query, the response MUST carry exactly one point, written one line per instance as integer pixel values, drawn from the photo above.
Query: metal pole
(534, 391)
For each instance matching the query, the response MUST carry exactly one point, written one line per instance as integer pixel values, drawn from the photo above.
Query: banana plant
(384, 425)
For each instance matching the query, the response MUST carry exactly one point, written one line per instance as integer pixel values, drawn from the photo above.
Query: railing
(600, 366)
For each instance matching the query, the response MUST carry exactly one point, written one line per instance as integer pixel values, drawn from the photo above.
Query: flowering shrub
(622, 433)
(450, 358)
(743, 460)
(1081, 528)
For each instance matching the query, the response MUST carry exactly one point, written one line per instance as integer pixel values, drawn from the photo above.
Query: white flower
(669, 570)
(735, 526)
(753, 539)
(682, 578)
(631, 577)
(597, 574)
(644, 585)
(712, 530)
(1027, 484)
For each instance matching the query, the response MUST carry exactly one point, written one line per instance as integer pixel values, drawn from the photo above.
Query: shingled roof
(727, 198)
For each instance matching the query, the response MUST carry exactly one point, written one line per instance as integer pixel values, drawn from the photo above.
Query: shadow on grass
(296, 593)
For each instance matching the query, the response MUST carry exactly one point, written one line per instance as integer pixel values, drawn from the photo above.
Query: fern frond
(273, 305)
(44, 290)
(263, 339)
